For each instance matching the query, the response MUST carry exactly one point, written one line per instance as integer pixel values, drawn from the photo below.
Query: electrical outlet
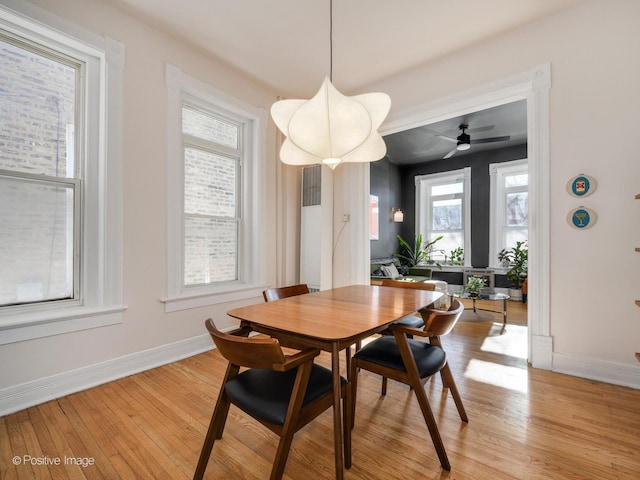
(346, 217)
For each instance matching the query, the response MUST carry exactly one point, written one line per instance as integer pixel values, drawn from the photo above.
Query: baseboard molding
(19, 397)
(593, 369)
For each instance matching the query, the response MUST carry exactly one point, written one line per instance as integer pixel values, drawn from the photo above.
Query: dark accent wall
(403, 192)
(385, 182)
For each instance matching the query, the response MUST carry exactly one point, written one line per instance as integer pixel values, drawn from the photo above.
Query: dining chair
(411, 320)
(284, 393)
(272, 294)
(413, 362)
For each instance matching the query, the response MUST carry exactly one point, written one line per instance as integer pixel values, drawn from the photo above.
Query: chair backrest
(272, 294)
(246, 352)
(415, 285)
(441, 322)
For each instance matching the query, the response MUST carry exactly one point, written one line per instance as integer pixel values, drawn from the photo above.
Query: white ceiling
(285, 43)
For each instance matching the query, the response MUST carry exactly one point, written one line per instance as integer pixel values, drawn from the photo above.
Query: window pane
(210, 251)
(517, 209)
(210, 183)
(36, 241)
(207, 127)
(37, 112)
(519, 180)
(447, 189)
(443, 247)
(447, 214)
(514, 235)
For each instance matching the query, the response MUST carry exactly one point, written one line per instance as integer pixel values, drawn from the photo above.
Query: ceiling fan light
(463, 146)
(331, 128)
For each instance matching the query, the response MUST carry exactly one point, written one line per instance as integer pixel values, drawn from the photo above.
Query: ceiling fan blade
(450, 154)
(448, 139)
(480, 129)
(491, 140)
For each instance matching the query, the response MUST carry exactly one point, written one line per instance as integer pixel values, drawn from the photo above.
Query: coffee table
(490, 295)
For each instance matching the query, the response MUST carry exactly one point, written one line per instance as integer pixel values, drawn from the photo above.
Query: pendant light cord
(331, 40)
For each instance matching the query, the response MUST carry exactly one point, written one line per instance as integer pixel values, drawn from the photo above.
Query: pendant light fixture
(331, 128)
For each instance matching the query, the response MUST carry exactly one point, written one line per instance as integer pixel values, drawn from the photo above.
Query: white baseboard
(19, 397)
(594, 369)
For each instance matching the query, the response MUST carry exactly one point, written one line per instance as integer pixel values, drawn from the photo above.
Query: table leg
(337, 414)
(504, 317)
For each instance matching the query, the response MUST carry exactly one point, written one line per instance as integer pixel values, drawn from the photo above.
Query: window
(214, 182)
(509, 206)
(59, 243)
(443, 209)
(39, 180)
(212, 156)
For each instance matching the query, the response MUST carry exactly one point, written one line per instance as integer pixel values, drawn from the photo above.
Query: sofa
(378, 273)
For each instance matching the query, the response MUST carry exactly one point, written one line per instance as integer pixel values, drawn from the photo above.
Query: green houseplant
(517, 257)
(456, 256)
(474, 284)
(418, 254)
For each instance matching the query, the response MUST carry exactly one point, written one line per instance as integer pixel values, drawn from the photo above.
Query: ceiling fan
(464, 142)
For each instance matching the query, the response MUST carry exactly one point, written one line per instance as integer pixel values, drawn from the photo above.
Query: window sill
(18, 327)
(230, 293)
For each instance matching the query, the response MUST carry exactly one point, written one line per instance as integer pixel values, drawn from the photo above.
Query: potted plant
(457, 256)
(517, 273)
(474, 284)
(418, 254)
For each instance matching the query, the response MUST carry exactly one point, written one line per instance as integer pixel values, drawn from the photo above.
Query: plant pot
(515, 294)
(473, 294)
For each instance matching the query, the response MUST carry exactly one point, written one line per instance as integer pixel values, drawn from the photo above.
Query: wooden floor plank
(524, 423)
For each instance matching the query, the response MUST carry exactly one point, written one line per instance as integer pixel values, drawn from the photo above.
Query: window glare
(37, 241)
(447, 189)
(519, 180)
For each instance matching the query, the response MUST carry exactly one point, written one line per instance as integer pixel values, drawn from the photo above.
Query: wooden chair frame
(436, 323)
(264, 353)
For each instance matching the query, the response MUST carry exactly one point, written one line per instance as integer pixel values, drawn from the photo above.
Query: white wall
(33, 369)
(594, 106)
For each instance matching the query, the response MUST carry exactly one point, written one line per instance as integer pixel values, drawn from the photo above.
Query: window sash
(38, 245)
(65, 176)
(502, 234)
(199, 246)
(452, 185)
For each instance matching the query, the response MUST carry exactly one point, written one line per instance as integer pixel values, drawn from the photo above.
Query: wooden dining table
(333, 320)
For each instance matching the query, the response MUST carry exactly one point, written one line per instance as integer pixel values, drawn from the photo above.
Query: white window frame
(100, 297)
(497, 172)
(423, 201)
(252, 247)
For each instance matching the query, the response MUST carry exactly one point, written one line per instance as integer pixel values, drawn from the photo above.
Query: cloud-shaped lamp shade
(332, 128)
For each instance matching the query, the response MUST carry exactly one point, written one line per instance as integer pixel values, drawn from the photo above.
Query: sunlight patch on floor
(503, 376)
(513, 343)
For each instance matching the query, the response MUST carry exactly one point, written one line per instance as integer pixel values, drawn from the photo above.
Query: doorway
(532, 86)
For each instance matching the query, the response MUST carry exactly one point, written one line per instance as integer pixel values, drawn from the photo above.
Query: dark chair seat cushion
(411, 321)
(265, 394)
(384, 351)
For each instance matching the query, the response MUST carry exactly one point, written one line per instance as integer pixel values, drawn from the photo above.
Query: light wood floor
(524, 424)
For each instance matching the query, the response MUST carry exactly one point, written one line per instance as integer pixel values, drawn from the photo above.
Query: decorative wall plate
(581, 185)
(582, 218)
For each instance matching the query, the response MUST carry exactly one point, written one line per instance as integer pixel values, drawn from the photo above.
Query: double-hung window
(509, 206)
(216, 179)
(443, 209)
(212, 146)
(59, 222)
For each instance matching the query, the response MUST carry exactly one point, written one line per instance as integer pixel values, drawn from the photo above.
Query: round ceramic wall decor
(582, 218)
(581, 185)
